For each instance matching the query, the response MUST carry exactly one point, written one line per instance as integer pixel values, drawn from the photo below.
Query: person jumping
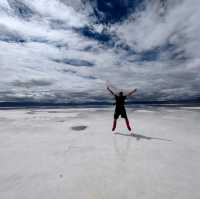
(120, 107)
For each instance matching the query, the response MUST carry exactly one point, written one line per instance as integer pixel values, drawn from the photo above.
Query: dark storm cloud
(69, 71)
(21, 9)
(75, 62)
(58, 24)
(10, 36)
(32, 83)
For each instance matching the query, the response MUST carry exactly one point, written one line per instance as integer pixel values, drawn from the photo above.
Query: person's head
(120, 93)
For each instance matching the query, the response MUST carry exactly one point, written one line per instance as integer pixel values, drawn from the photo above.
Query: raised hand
(132, 92)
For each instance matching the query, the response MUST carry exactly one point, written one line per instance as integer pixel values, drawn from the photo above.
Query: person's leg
(114, 124)
(116, 116)
(127, 124)
(124, 115)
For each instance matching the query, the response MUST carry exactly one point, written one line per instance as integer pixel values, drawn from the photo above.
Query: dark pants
(120, 111)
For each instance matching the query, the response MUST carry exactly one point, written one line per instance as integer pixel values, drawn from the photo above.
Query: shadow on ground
(139, 137)
(79, 128)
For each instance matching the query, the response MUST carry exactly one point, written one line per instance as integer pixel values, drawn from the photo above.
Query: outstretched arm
(132, 92)
(110, 91)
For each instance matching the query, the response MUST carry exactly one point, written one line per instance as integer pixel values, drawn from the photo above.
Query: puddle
(79, 128)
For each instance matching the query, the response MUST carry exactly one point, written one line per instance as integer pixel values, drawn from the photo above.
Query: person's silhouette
(120, 107)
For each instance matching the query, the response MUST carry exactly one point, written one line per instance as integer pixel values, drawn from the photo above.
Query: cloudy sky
(68, 50)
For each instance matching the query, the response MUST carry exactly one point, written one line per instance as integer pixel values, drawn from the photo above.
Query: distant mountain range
(27, 104)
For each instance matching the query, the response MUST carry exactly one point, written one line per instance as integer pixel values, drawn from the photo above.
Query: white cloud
(148, 30)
